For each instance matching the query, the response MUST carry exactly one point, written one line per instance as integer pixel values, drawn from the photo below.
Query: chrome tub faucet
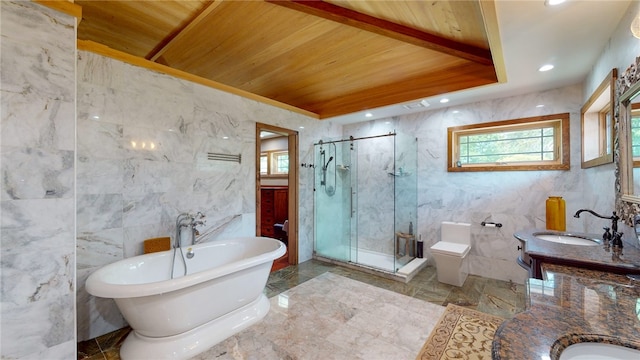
(191, 221)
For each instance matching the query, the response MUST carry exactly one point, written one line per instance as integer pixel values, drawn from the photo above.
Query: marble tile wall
(37, 88)
(516, 198)
(143, 139)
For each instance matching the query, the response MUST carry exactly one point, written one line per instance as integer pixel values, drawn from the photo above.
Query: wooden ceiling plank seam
(100, 49)
(184, 31)
(390, 29)
(488, 8)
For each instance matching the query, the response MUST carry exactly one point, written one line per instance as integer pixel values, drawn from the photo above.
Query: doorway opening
(277, 189)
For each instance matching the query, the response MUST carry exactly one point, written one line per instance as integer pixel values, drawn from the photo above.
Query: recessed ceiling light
(546, 67)
(225, 137)
(456, 111)
(445, 100)
(368, 115)
(387, 122)
(540, 105)
(95, 117)
(301, 127)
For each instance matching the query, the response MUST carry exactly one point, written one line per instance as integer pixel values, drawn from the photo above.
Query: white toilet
(450, 252)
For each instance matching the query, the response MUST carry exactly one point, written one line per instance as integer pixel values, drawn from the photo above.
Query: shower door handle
(351, 201)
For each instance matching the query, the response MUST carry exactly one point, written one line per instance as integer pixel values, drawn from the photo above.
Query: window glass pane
(282, 164)
(264, 164)
(508, 146)
(279, 163)
(536, 143)
(608, 126)
(635, 135)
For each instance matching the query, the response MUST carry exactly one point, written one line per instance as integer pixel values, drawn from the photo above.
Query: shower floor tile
(348, 329)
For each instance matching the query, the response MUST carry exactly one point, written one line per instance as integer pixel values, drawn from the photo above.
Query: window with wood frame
(535, 143)
(274, 163)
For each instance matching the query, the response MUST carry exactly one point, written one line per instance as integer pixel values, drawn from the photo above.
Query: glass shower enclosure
(365, 201)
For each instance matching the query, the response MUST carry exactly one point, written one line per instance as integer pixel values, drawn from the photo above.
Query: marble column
(37, 87)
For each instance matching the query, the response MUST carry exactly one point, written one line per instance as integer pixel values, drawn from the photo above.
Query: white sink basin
(598, 351)
(567, 239)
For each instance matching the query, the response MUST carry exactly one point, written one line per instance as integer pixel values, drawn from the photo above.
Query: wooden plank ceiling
(327, 57)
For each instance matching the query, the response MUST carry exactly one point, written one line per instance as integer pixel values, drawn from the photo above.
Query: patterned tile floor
(487, 295)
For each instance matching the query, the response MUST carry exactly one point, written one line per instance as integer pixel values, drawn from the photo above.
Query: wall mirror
(628, 113)
(597, 124)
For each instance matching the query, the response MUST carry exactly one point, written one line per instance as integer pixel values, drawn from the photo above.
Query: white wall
(37, 88)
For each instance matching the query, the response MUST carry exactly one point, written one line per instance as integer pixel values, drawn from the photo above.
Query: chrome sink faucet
(615, 236)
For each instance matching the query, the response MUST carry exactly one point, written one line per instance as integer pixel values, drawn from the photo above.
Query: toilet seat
(450, 248)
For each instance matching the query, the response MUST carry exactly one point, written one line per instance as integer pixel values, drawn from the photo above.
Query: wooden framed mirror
(596, 118)
(628, 115)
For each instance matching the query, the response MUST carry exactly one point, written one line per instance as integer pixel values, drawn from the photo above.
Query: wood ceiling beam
(490, 18)
(181, 33)
(390, 29)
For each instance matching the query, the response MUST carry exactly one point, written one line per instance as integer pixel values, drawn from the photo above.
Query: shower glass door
(405, 198)
(366, 200)
(334, 228)
(375, 205)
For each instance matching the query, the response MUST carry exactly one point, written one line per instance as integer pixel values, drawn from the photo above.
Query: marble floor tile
(323, 319)
(325, 311)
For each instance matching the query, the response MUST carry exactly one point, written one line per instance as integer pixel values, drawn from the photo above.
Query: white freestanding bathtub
(220, 295)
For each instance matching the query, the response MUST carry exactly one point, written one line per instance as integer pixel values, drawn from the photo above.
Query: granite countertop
(571, 305)
(601, 256)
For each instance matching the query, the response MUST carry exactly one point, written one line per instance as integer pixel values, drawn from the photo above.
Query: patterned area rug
(461, 333)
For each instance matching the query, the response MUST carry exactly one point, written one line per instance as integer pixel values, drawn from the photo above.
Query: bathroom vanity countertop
(571, 305)
(598, 257)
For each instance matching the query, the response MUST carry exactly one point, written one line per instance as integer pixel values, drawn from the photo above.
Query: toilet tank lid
(449, 248)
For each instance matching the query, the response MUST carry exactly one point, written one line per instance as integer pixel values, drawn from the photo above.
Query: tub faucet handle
(617, 240)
